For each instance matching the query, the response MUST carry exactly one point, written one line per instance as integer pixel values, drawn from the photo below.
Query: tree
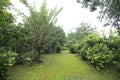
(81, 32)
(76, 38)
(6, 20)
(7, 57)
(110, 10)
(56, 40)
(84, 30)
(40, 25)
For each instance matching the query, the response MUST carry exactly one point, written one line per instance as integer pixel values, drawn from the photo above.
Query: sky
(70, 17)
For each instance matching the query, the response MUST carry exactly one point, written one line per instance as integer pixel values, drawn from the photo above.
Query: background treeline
(102, 51)
(28, 40)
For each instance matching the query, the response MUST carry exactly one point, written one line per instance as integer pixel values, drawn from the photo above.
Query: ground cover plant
(64, 66)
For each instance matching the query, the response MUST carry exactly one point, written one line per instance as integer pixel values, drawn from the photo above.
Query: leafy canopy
(110, 10)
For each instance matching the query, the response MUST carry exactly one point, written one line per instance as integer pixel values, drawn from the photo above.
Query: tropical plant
(42, 29)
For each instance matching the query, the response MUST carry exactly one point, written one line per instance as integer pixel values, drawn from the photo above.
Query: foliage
(26, 58)
(99, 55)
(34, 34)
(7, 59)
(88, 41)
(6, 20)
(81, 32)
(43, 32)
(64, 48)
(117, 67)
(99, 51)
(57, 37)
(7, 29)
(73, 47)
(71, 38)
(75, 38)
(58, 48)
(110, 10)
(84, 30)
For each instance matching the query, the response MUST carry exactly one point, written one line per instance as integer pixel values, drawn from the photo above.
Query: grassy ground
(63, 66)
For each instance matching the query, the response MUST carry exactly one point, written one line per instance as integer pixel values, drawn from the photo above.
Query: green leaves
(7, 60)
(24, 2)
(74, 47)
(99, 55)
(100, 51)
(110, 10)
(42, 29)
(4, 4)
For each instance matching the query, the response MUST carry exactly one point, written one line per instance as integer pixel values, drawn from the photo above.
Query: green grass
(62, 66)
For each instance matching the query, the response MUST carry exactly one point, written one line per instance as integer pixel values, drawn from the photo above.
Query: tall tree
(84, 30)
(40, 24)
(57, 38)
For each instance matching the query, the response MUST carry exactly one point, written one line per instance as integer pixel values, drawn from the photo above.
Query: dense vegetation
(22, 42)
(6, 39)
(38, 34)
(100, 51)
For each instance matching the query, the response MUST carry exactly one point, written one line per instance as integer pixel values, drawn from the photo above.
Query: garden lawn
(64, 66)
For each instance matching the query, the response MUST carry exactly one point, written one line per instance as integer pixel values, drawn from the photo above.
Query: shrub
(7, 59)
(74, 48)
(88, 41)
(117, 66)
(64, 48)
(99, 55)
(22, 58)
(91, 39)
(82, 52)
(96, 50)
(58, 49)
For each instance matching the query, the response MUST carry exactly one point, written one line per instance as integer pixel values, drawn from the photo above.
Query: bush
(117, 66)
(74, 48)
(91, 39)
(88, 41)
(64, 48)
(96, 50)
(99, 55)
(58, 49)
(22, 58)
(100, 51)
(7, 59)
(83, 53)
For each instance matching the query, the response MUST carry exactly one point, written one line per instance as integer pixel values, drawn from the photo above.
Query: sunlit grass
(63, 66)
